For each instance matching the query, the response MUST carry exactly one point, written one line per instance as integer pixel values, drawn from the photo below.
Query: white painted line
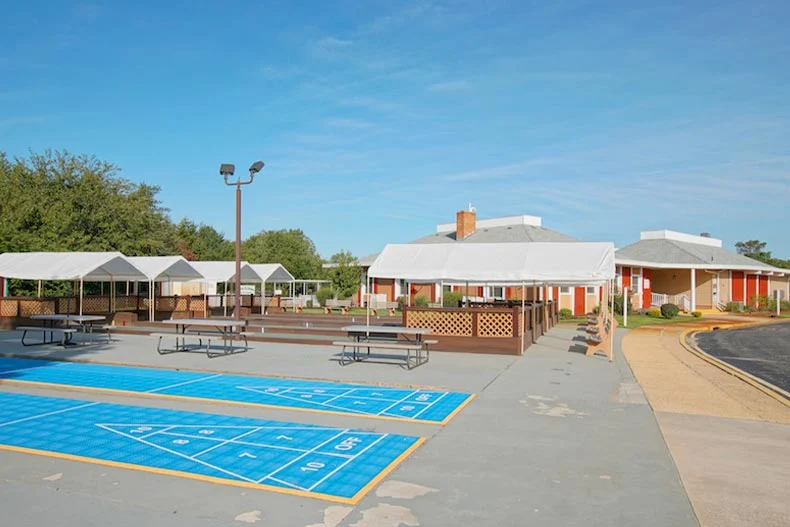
(47, 414)
(346, 462)
(396, 403)
(340, 395)
(245, 443)
(25, 369)
(289, 484)
(184, 383)
(311, 451)
(225, 442)
(429, 405)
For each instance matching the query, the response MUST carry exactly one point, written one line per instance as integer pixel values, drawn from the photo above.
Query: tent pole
(81, 290)
(225, 300)
(205, 299)
(151, 307)
(367, 302)
(263, 297)
(523, 313)
(611, 338)
(39, 288)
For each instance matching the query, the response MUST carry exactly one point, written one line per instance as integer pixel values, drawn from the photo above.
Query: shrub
(421, 301)
(324, 294)
(451, 299)
(565, 313)
(654, 313)
(669, 310)
(401, 300)
(597, 309)
(618, 305)
(641, 311)
(734, 307)
(696, 314)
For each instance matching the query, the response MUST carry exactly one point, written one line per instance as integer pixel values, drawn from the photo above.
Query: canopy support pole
(263, 297)
(225, 301)
(39, 288)
(467, 293)
(205, 299)
(367, 303)
(81, 291)
(152, 301)
(611, 314)
(523, 313)
(408, 293)
(441, 292)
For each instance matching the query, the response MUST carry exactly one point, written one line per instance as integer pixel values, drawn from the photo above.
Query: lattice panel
(126, 303)
(182, 303)
(165, 304)
(450, 323)
(8, 308)
(96, 304)
(494, 324)
(197, 304)
(36, 307)
(67, 305)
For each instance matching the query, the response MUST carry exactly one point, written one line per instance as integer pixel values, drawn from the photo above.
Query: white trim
(680, 237)
(693, 290)
(722, 267)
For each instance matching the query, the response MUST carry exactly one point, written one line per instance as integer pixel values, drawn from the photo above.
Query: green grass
(635, 321)
(353, 311)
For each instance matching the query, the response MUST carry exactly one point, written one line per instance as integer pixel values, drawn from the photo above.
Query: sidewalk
(730, 441)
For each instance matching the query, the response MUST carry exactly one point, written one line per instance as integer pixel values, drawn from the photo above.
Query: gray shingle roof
(504, 234)
(673, 252)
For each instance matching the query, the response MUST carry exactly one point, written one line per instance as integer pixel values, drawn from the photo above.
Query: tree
(754, 249)
(291, 248)
(345, 274)
(202, 242)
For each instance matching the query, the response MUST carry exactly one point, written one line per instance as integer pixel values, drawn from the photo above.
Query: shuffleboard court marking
(333, 464)
(379, 402)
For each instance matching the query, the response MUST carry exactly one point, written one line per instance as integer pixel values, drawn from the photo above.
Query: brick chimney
(465, 223)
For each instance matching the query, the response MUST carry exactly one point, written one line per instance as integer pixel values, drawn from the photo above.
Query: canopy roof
(273, 272)
(165, 268)
(90, 266)
(224, 272)
(556, 263)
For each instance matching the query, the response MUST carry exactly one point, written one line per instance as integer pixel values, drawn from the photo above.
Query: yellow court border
(221, 481)
(111, 391)
(767, 388)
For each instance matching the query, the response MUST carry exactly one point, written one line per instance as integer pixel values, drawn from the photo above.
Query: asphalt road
(763, 351)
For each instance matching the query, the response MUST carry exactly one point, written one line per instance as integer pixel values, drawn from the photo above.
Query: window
(635, 283)
(591, 290)
(565, 290)
(498, 292)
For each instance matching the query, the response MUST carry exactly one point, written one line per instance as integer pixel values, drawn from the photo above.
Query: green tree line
(58, 201)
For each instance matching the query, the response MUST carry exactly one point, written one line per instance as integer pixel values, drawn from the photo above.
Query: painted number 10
(312, 466)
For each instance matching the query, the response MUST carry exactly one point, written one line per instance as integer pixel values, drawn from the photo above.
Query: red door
(751, 289)
(763, 285)
(579, 295)
(647, 289)
(736, 287)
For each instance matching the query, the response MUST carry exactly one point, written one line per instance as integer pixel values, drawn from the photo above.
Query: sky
(377, 120)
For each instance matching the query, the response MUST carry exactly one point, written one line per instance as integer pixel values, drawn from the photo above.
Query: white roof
(165, 268)
(273, 272)
(224, 272)
(90, 266)
(556, 263)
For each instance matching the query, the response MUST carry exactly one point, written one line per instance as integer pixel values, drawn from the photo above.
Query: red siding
(736, 287)
(2, 286)
(627, 277)
(647, 274)
(578, 300)
(763, 286)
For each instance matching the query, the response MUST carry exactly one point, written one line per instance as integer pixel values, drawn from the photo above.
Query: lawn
(635, 321)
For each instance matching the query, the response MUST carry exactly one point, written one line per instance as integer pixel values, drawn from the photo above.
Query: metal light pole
(226, 170)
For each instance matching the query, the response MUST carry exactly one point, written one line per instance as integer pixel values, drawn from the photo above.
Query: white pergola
(163, 269)
(506, 264)
(72, 266)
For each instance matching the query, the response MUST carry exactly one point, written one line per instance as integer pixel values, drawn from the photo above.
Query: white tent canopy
(165, 268)
(555, 263)
(86, 266)
(272, 272)
(224, 272)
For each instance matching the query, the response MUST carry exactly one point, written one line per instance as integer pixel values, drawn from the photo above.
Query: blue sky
(378, 119)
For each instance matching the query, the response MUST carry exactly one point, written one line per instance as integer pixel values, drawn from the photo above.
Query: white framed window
(498, 292)
(636, 282)
(565, 290)
(591, 290)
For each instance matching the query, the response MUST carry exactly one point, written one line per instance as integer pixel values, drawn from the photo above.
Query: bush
(641, 311)
(451, 299)
(565, 313)
(597, 309)
(401, 300)
(324, 294)
(655, 313)
(618, 305)
(421, 301)
(696, 314)
(734, 307)
(669, 310)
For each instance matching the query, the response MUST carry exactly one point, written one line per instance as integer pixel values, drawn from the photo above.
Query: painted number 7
(312, 466)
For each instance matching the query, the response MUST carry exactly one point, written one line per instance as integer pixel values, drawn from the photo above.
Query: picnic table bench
(396, 338)
(600, 334)
(342, 305)
(65, 325)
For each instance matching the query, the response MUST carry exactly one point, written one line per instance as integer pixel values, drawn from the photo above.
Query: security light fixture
(227, 169)
(256, 167)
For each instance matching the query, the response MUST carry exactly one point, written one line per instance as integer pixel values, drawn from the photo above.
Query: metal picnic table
(388, 338)
(62, 323)
(226, 330)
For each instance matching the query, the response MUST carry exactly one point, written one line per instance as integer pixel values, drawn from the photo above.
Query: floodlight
(227, 169)
(256, 167)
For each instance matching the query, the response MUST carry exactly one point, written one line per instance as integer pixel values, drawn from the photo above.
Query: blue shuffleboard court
(328, 463)
(425, 406)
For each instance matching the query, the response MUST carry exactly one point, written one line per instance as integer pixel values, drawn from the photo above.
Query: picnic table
(200, 329)
(65, 325)
(397, 338)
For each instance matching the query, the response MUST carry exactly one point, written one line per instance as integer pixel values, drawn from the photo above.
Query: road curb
(767, 388)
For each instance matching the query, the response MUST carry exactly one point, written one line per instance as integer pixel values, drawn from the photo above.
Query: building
(694, 272)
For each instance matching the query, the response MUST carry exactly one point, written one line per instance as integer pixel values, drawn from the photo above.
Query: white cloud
(352, 124)
(330, 47)
(448, 86)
